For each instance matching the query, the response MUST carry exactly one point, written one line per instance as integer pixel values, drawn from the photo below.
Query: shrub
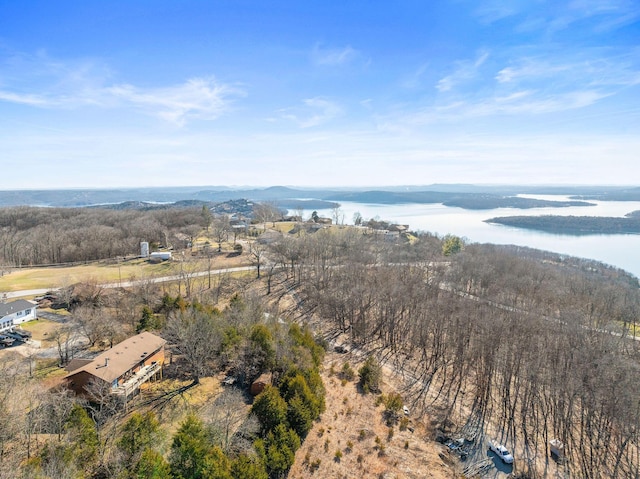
(370, 375)
(404, 423)
(347, 372)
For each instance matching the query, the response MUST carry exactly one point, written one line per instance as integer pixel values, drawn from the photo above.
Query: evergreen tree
(83, 437)
(299, 416)
(270, 409)
(189, 450)
(370, 375)
(278, 449)
(216, 465)
(147, 320)
(152, 466)
(138, 434)
(245, 467)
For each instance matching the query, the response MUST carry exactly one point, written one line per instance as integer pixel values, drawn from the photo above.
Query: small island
(574, 225)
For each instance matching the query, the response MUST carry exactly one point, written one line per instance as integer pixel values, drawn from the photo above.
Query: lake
(621, 251)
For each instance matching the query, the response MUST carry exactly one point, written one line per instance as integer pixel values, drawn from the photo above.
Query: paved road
(26, 292)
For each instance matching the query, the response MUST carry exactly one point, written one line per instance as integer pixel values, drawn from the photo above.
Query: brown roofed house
(124, 367)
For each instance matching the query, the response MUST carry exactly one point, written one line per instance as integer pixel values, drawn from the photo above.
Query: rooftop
(124, 356)
(15, 306)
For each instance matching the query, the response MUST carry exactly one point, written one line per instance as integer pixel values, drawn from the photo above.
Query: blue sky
(318, 93)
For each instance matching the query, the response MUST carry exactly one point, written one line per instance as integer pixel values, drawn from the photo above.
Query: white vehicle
(405, 409)
(501, 451)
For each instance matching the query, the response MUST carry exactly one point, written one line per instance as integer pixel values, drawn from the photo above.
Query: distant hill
(629, 194)
(462, 195)
(470, 201)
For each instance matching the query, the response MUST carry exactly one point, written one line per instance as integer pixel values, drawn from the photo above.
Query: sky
(318, 93)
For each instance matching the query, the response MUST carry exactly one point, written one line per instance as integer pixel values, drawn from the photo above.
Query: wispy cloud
(495, 10)
(333, 56)
(201, 98)
(59, 85)
(551, 17)
(24, 99)
(315, 111)
(591, 69)
(520, 103)
(414, 80)
(464, 71)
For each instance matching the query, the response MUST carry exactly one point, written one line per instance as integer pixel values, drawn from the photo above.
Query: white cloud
(334, 56)
(201, 98)
(41, 82)
(551, 17)
(464, 71)
(24, 99)
(414, 80)
(588, 69)
(316, 111)
(494, 10)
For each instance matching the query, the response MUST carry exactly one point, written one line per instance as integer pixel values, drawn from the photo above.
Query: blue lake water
(622, 251)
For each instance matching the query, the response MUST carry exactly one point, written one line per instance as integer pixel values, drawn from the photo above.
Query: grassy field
(107, 272)
(53, 277)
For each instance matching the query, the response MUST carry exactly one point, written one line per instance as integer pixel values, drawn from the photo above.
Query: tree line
(35, 236)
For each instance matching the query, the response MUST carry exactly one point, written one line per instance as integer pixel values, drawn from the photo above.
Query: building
(15, 313)
(123, 368)
(161, 255)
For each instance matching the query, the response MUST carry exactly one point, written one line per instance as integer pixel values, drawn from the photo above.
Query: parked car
(14, 336)
(24, 334)
(6, 340)
(501, 451)
(405, 409)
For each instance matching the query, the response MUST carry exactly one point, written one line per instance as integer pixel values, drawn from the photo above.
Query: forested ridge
(510, 342)
(526, 344)
(32, 235)
(574, 225)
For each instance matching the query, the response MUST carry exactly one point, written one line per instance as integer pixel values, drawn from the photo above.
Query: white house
(15, 313)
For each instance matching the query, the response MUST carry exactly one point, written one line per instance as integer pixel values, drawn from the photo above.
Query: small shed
(259, 384)
(160, 255)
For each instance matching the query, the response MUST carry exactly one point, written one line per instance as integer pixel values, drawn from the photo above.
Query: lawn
(107, 272)
(54, 277)
(42, 330)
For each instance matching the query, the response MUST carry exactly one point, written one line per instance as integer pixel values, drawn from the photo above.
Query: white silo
(144, 249)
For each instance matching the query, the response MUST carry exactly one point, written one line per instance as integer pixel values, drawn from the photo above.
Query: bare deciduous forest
(519, 344)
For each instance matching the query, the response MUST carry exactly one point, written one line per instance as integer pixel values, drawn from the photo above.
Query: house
(16, 312)
(123, 368)
(399, 228)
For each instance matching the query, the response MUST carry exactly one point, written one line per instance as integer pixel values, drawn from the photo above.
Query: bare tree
(257, 252)
(225, 415)
(196, 338)
(220, 231)
(266, 212)
(67, 342)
